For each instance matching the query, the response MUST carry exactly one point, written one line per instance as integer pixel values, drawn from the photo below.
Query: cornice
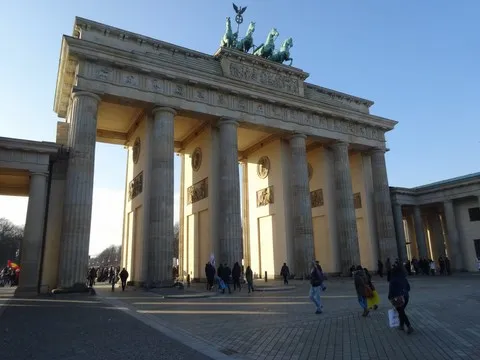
(44, 147)
(146, 64)
(434, 188)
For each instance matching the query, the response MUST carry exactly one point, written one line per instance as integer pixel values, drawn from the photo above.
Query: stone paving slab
(80, 327)
(444, 312)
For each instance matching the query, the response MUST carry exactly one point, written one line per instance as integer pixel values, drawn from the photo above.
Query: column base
(26, 291)
(78, 288)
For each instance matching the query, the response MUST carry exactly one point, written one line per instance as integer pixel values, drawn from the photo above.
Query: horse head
(287, 44)
(251, 28)
(228, 24)
(274, 33)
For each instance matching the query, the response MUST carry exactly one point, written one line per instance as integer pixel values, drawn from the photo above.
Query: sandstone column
(77, 207)
(383, 207)
(453, 241)
(345, 211)
(301, 207)
(31, 252)
(419, 232)
(230, 219)
(160, 231)
(401, 242)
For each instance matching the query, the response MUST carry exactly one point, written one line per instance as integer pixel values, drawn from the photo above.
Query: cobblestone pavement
(79, 328)
(282, 325)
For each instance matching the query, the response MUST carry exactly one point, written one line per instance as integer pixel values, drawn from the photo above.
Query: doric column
(230, 224)
(383, 207)
(160, 232)
(401, 243)
(31, 252)
(453, 241)
(345, 211)
(419, 232)
(301, 207)
(77, 208)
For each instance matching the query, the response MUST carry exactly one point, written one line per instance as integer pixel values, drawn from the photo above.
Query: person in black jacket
(399, 295)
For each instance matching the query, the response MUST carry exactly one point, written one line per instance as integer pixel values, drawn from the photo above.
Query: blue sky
(418, 60)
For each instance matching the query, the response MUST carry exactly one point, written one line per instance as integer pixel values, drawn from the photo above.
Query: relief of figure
(196, 159)
(263, 167)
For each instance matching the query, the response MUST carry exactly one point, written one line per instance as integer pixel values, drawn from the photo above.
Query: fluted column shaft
(301, 207)
(453, 241)
(33, 234)
(401, 242)
(230, 234)
(160, 232)
(383, 206)
(77, 207)
(345, 211)
(419, 232)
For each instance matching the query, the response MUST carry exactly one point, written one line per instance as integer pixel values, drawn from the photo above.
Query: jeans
(362, 300)
(250, 286)
(402, 315)
(285, 280)
(315, 296)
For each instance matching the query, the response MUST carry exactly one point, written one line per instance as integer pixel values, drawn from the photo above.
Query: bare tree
(111, 256)
(176, 239)
(11, 236)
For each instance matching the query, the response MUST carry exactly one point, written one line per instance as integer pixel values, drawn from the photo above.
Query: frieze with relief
(357, 201)
(265, 196)
(197, 191)
(135, 187)
(215, 97)
(316, 198)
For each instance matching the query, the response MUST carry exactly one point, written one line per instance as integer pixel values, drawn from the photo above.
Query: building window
(474, 214)
(476, 242)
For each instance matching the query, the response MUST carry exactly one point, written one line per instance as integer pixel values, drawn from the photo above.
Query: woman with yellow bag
(374, 299)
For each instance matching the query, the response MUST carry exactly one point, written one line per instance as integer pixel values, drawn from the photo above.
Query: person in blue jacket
(399, 295)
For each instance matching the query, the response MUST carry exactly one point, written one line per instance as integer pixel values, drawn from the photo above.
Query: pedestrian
(316, 285)
(380, 268)
(362, 288)
(285, 273)
(249, 278)
(123, 278)
(399, 295)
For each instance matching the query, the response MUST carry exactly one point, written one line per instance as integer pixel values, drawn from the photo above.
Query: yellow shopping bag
(374, 300)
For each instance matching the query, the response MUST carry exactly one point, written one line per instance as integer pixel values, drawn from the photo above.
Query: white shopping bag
(393, 319)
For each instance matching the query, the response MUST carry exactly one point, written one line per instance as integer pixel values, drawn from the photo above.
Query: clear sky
(418, 60)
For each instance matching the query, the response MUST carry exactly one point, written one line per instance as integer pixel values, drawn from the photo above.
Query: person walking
(399, 295)
(285, 273)
(249, 278)
(362, 288)
(123, 278)
(316, 285)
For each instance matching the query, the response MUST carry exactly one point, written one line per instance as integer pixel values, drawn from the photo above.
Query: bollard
(265, 276)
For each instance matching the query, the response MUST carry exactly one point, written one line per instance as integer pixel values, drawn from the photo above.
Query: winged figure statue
(239, 10)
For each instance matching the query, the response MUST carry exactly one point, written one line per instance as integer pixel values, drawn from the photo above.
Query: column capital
(339, 145)
(38, 173)
(376, 150)
(76, 94)
(159, 108)
(227, 121)
(297, 135)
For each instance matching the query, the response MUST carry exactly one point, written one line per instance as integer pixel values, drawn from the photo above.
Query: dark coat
(360, 280)
(399, 286)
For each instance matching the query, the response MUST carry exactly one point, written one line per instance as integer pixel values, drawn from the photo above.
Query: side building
(442, 218)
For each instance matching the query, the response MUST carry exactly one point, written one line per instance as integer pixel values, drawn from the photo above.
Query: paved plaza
(262, 325)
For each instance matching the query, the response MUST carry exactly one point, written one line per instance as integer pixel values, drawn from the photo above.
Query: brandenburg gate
(314, 182)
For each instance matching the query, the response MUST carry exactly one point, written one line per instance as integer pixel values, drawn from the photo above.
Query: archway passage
(26, 170)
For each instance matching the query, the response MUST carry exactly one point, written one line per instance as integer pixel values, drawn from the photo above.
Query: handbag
(397, 301)
(368, 291)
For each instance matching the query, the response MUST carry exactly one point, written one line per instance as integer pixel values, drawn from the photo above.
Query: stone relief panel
(263, 167)
(197, 191)
(316, 198)
(135, 187)
(357, 201)
(215, 97)
(265, 196)
(310, 171)
(136, 150)
(196, 159)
